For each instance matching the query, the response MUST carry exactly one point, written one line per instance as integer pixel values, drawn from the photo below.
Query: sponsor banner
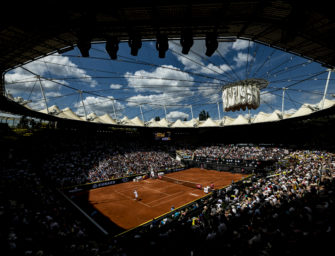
(101, 184)
(105, 183)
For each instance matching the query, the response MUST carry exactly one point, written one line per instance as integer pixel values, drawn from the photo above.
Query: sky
(176, 86)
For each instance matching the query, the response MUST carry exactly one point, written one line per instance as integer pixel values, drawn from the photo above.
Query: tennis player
(152, 174)
(135, 194)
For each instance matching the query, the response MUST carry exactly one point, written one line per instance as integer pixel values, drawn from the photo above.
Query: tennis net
(181, 182)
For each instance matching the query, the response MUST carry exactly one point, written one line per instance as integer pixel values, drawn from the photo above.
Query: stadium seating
(287, 211)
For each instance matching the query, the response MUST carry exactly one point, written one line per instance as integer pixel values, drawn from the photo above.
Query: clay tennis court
(156, 196)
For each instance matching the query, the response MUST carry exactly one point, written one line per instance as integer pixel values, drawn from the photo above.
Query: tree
(203, 115)
(32, 123)
(157, 118)
(23, 124)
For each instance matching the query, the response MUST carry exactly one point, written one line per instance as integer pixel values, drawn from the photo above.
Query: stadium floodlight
(211, 43)
(135, 43)
(162, 45)
(243, 94)
(84, 46)
(112, 46)
(186, 41)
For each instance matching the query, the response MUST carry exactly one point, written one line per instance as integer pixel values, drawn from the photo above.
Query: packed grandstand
(286, 210)
(102, 151)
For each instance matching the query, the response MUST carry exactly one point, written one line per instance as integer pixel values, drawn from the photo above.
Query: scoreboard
(164, 136)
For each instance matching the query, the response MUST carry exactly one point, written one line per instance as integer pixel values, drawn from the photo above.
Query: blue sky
(177, 82)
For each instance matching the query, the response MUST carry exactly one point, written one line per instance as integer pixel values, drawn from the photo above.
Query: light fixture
(186, 41)
(162, 45)
(135, 43)
(211, 43)
(84, 46)
(112, 46)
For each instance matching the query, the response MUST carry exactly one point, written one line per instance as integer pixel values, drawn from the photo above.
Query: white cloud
(115, 86)
(190, 64)
(54, 67)
(210, 92)
(241, 44)
(29, 83)
(99, 106)
(162, 79)
(224, 48)
(190, 61)
(242, 58)
(159, 99)
(199, 48)
(307, 98)
(214, 70)
(212, 95)
(52, 94)
(174, 115)
(267, 97)
(209, 69)
(60, 66)
(37, 101)
(197, 51)
(37, 105)
(195, 59)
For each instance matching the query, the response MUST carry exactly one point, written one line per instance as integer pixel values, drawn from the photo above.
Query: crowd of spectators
(35, 219)
(288, 211)
(122, 162)
(105, 162)
(240, 152)
(256, 153)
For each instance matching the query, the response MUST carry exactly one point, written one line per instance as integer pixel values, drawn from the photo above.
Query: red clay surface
(156, 196)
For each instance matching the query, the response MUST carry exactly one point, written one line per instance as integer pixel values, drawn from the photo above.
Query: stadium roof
(261, 117)
(302, 28)
(305, 28)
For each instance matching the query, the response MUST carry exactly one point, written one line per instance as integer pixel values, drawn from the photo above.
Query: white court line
(193, 194)
(159, 199)
(180, 192)
(145, 188)
(182, 180)
(156, 191)
(133, 199)
(165, 197)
